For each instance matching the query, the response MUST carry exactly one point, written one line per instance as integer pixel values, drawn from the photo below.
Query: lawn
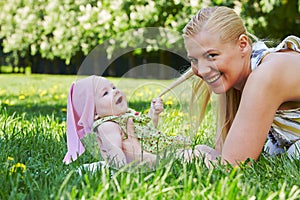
(33, 144)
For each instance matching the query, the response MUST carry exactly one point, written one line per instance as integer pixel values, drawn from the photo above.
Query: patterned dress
(151, 139)
(284, 134)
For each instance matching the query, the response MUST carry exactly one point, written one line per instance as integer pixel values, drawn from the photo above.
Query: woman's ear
(244, 43)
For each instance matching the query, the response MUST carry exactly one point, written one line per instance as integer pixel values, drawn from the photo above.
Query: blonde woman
(261, 86)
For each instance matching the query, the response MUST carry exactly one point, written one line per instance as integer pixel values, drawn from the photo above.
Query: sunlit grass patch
(33, 144)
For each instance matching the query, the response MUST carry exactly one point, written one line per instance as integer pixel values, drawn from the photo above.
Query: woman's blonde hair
(230, 26)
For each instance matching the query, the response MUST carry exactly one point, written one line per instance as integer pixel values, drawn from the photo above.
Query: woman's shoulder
(285, 53)
(267, 70)
(280, 66)
(281, 63)
(278, 71)
(268, 74)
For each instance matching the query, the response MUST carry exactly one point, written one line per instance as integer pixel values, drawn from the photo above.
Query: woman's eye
(105, 93)
(194, 61)
(211, 56)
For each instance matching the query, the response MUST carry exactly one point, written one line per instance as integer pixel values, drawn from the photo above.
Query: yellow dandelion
(169, 103)
(147, 90)
(180, 114)
(147, 111)
(43, 93)
(17, 166)
(139, 94)
(177, 113)
(56, 97)
(10, 158)
(9, 103)
(62, 124)
(22, 97)
(64, 110)
(6, 102)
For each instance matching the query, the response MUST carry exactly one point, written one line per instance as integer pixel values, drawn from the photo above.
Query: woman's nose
(201, 69)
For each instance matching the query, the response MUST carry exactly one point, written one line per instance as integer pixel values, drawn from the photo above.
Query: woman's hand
(200, 151)
(209, 153)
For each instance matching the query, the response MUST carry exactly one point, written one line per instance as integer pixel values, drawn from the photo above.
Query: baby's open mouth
(119, 100)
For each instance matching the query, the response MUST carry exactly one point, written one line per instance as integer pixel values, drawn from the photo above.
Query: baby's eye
(114, 88)
(105, 93)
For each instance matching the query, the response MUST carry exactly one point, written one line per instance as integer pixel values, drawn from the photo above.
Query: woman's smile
(213, 79)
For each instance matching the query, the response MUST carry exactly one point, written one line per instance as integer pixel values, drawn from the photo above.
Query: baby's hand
(155, 109)
(156, 106)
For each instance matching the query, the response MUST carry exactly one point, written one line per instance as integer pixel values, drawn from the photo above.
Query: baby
(97, 116)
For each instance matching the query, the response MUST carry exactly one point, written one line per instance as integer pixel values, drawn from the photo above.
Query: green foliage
(272, 19)
(63, 29)
(53, 28)
(33, 144)
(59, 28)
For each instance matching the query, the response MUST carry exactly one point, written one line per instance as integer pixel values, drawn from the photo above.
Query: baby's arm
(110, 143)
(133, 149)
(155, 109)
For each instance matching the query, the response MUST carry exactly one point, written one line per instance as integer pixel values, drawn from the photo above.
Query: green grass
(33, 144)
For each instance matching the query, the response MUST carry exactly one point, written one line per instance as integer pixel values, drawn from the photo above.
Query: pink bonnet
(80, 116)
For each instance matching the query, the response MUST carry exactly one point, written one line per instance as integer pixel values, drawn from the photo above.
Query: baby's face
(108, 99)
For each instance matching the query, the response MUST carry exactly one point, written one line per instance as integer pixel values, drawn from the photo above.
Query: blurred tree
(65, 28)
(62, 28)
(58, 28)
(272, 19)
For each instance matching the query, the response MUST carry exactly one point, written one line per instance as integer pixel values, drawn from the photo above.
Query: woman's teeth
(213, 79)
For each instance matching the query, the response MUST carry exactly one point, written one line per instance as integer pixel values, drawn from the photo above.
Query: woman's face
(108, 99)
(221, 65)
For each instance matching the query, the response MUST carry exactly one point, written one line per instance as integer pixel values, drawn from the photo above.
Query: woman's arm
(274, 82)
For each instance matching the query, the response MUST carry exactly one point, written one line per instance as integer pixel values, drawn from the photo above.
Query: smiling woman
(256, 81)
